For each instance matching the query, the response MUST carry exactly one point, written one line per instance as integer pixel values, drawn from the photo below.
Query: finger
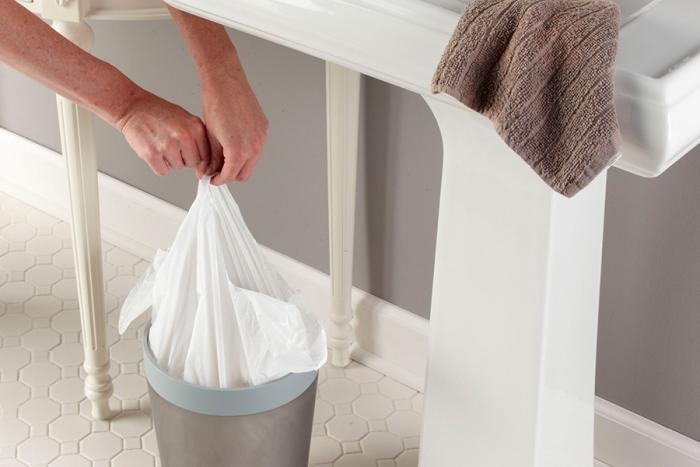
(174, 158)
(202, 145)
(189, 154)
(158, 166)
(202, 168)
(205, 160)
(216, 162)
(247, 169)
(229, 171)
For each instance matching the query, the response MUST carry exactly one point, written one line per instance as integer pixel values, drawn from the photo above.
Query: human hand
(235, 124)
(163, 134)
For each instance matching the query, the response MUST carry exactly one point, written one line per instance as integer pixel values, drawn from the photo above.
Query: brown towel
(542, 71)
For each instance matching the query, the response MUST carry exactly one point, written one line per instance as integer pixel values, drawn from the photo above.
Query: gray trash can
(262, 426)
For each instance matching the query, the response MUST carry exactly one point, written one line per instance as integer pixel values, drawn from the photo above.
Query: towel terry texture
(542, 71)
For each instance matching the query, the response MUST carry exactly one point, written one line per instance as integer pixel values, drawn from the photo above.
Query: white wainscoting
(389, 338)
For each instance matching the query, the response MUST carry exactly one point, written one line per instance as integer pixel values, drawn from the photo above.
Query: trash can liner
(223, 402)
(268, 425)
(221, 315)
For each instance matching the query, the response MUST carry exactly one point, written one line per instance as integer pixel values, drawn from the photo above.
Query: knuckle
(189, 134)
(234, 156)
(177, 135)
(198, 127)
(230, 168)
(236, 165)
(167, 146)
(150, 154)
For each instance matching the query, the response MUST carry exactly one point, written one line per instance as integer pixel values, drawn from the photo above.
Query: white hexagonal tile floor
(362, 417)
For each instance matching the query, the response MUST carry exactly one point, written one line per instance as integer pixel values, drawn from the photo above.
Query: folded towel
(542, 71)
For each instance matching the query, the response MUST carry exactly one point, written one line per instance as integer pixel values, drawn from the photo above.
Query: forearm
(235, 122)
(32, 47)
(210, 47)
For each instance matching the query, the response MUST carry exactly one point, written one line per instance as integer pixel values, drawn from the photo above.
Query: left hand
(235, 123)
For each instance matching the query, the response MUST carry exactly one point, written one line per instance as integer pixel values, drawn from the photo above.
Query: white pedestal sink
(658, 86)
(515, 300)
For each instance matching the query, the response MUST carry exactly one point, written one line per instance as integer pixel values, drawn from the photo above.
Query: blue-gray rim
(223, 402)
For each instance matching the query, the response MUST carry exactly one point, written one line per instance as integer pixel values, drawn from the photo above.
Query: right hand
(164, 135)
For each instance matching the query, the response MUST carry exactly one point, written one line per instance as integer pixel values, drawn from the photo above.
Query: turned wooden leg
(77, 142)
(342, 120)
(512, 344)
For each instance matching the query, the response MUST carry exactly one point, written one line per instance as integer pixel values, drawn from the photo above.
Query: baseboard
(625, 439)
(389, 338)
(36, 175)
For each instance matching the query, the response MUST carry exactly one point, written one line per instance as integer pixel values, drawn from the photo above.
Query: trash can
(268, 425)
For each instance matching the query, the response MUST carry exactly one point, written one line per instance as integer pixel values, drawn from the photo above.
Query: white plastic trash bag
(221, 316)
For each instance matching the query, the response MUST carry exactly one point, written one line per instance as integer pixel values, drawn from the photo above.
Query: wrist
(110, 95)
(220, 68)
(130, 97)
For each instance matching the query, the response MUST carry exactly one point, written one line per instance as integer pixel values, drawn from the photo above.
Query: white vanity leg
(513, 326)
(77, 141)
(342, 119)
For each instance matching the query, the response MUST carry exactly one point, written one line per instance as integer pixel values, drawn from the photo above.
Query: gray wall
(649, 330)
(650, 294)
